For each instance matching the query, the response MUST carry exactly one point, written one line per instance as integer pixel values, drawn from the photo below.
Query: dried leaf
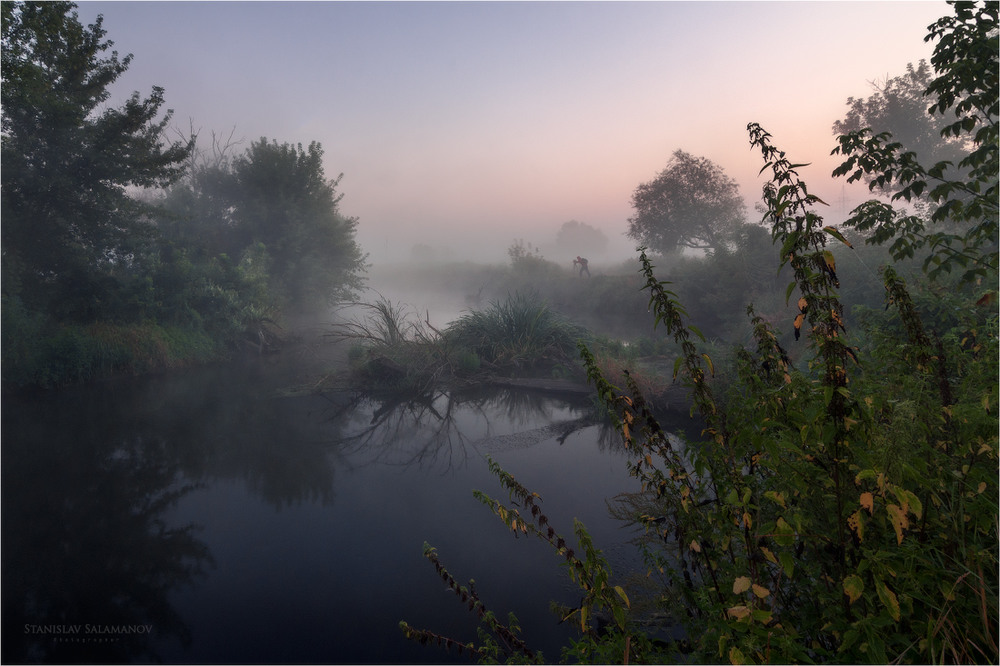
(798, 325)
(741, 585)
(760, 591)
(899, 520)
(856, 522)
(738, 612)
(868, 502)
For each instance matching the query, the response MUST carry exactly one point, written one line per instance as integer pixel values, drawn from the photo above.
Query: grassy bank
(39, 352)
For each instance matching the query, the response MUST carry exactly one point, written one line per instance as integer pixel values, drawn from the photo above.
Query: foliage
(826, 519)
(898, 106)
(692, 203)
(70, 227)
(273, 196)
(520, 331)
(589, 570)
(962, 230)
(39, 352)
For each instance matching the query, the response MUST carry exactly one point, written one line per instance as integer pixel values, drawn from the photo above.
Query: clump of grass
(520, 332)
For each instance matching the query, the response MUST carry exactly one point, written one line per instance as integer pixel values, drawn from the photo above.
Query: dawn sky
(469, 124)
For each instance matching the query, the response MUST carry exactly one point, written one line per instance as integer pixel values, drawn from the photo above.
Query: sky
(466, 125)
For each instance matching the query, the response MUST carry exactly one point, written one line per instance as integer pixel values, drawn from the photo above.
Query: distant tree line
(106, 221)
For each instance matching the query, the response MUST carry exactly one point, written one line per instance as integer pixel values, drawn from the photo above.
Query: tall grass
(520, 331)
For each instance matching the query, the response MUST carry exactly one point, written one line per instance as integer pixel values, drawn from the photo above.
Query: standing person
(583, 266)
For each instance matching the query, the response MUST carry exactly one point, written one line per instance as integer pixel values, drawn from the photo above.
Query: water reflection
(96, 551)
(87, 560)
(442, 429)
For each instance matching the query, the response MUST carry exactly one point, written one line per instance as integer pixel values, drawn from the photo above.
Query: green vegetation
(520, 334)
(841, 508)
(124, 252)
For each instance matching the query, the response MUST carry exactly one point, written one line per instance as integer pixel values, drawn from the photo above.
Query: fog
(463, 126)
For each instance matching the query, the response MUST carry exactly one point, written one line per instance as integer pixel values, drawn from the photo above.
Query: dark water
(200, 518)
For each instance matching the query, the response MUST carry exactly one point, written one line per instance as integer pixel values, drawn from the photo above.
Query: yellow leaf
(981, 487)
(746, 520)
(741, 585)
(695, 546)
(899, 520)
(798, 325)
(830, 262)
(736, 657)
(769, 555)
(621, 593)
(888, 598)
(738, 612)
(853, 587)
(760, 591)
(803, 304)
(868, 502)
(856, 522)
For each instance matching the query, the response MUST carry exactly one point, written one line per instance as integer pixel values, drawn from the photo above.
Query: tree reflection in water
(90, 478)
(442, 428)
(86, 572)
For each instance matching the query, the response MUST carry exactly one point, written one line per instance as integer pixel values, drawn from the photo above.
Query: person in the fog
(583, 265)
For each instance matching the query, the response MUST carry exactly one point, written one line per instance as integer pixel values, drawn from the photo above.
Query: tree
(70, 227)
(692, 203)
(899, 106)
(282, 199)
(965, 90)
(581, 238)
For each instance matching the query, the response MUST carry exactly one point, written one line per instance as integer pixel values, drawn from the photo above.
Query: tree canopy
(69, 222)
(275, 196)
(692, 203)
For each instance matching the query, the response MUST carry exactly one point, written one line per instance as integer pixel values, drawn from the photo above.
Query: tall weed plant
(842, 512)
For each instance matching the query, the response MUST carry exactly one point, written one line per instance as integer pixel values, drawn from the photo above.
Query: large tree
(962, 230)
(69, 222)
(273, 198)
(692, 203)
(899, 106)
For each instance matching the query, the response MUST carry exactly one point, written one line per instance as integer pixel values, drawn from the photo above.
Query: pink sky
(466, 125)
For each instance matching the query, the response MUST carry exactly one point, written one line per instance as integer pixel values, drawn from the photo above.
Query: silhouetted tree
(692, 203)
(580, 238)
(70, 227)
(899, 106)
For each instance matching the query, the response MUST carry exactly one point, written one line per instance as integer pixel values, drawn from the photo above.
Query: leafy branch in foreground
(806, 526)
(617, 640)
(964, 194)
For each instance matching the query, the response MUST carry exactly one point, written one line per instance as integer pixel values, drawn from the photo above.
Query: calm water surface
(200, 517)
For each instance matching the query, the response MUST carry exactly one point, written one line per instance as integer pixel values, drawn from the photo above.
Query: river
(205, 516)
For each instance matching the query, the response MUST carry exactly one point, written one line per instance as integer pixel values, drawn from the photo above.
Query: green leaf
(787, 563)
(839, 236)
(621, 593)
(784, 535)
(789, 290)
(677, 365)
(888, 598)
